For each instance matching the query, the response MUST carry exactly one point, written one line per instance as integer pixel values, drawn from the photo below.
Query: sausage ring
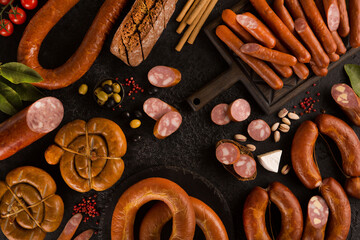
(154, 189)
(80, 62)
(89, 154)
(29, 207)
(209, 222)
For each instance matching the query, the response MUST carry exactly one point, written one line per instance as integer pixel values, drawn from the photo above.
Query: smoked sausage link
(80, 62)
(318, 25)
(352, 187)
(295, 9)
(284, 15)
(29, 125)
(302, 150)
(332, 14)
(348, 101)
(254, 215)
(354, 8)
(122, 225)
(290, 209)
(208, 221)
(344, 27)
(340, 211)
(282, 32)
(229, 18)
(346, 140)
(263, 70)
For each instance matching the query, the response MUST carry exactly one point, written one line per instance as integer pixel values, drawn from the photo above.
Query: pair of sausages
(80, 62)
(255, 209)
(185, 211)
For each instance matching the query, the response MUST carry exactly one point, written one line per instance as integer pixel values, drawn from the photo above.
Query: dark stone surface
(192, 147)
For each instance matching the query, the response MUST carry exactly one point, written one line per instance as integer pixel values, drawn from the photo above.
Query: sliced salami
(155, 108)
(347, 99)
(167, 124)
(245, 167)
(219, 114)
(259, 130)
(239, 110)
(163, 76)
(318, 212)
(227, 153)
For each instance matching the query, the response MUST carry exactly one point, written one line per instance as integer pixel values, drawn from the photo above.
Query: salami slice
(155, 108)
(259, 130)
(347, 99)
(219, 114)
(29, 125)
(227, 153)
(245, 167)
(163, 76)
(239, 110)
(167, 124)
(318, 212)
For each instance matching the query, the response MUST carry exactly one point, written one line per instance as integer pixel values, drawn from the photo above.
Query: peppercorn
(135, 123)
(83, 89)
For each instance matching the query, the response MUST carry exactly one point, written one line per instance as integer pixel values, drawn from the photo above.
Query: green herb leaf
(26, 91)
(11, 96)
(19, 73)
(6, 107)
(353, 71)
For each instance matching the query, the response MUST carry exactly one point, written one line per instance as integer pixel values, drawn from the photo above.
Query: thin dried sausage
(344, 27)
(318, 70)
(263, 70)
(163, 76)
(332, 14)
(295, 9)
(284, 15)
(354, 14)
(80, 62)
(341, 49)
(352, 187)
(229, 18)
(279, 29)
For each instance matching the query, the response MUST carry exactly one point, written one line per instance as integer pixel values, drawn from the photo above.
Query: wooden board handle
(214, 88)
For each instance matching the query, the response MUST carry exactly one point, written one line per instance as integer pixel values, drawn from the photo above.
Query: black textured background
(190, 148)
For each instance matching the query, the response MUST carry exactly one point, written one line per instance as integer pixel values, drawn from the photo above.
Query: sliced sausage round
(155, 108)
(239, 110)
(163, 76)
(219, 114)
(167, 124)
(259, 130)
(318, 212)
(227, 153)
(245, 167)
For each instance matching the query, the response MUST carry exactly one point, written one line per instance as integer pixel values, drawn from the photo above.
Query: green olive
(83, 89)
(108, 82)
(116, 97)
(100, 102)
(116, 88)
(102, 96)
(97, 90)
(135, 123)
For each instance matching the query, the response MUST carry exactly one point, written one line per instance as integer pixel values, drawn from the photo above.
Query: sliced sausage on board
(156, 108)
(245, 167)
(29, 125)
(167, 124)
(219, 114)
(317, 217)
(239, 110)
(259, 130)
(227, 153)
(163, 76)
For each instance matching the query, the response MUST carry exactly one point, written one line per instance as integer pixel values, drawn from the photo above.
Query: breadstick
(189, 30)
(184, 10)
(202, 21)
(182, 25)
(196, 12)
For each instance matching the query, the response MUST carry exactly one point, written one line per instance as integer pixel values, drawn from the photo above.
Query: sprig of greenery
(15, 87)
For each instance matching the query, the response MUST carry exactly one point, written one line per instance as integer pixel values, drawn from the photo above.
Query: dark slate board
(192, 147)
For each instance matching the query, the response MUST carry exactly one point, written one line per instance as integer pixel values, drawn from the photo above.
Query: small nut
(283, 112)
(285, 169)
(284, 128)
(286, 121)
(277, 136)
(275, 126)
(240, 138)
(293, 116)
(251, 147)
